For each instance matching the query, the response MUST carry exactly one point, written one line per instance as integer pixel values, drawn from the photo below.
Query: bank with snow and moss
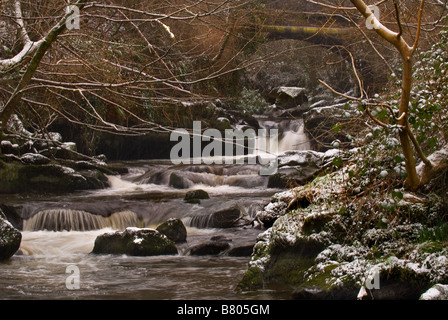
(326, 243)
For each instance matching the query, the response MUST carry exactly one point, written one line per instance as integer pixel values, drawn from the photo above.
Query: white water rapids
(145, 197)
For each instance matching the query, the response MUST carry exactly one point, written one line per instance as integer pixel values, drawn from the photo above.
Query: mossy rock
(252, 280)
(174, 229)
(10, 238)
(50, 178)
(401, 283)
(314, 223)
(195, 196)
(135, 242)
(321, 286)
(288, 268)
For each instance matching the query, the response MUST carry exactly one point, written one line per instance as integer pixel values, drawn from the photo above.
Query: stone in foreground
(135, 242)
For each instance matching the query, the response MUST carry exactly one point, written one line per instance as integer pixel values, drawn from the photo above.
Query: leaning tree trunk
(406, 51)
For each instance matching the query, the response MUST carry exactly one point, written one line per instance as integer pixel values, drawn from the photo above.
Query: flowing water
(59, 233)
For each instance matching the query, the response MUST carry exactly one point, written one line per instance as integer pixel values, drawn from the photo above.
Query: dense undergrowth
(357, 217)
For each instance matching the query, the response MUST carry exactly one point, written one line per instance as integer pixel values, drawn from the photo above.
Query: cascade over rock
(79, 220)
(223, 218)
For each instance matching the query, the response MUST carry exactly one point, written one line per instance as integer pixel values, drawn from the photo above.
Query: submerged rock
(212, 247)
(135, 242)
(241, 250)
(174, 229)
(226, 218)
(10, 238)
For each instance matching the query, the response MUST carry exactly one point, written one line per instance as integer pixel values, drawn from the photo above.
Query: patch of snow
(138, 240)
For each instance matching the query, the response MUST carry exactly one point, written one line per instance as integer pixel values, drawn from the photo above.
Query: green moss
(432, 246)
(289, 268)
(320, 279)
(252, 280)
(17, 177)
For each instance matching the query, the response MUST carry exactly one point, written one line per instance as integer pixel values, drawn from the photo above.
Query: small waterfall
(292, 135)
(184, 177)
(79, 220)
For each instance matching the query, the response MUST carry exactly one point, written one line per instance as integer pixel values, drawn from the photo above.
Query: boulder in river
(135, 242)
(179, 182)
(223, 218)
(195, 196)
(10, 238)
(212, 247)
(174, 229)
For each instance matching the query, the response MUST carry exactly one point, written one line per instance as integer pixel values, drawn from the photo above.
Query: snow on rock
(10, 238)
(34, 158)
(437, 292)
(135, 242)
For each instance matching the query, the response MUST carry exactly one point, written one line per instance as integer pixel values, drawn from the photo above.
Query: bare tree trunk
(413, 180)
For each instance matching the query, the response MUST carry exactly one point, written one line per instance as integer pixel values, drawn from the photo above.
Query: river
(59, 234)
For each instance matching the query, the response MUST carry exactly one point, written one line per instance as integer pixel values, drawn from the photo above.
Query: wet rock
(211, 247)
(178, 182)
(220, 238)
(174, 229)
(195, 196)
(225, 218)
(135, 242)
(241, 250)
(10, 238)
